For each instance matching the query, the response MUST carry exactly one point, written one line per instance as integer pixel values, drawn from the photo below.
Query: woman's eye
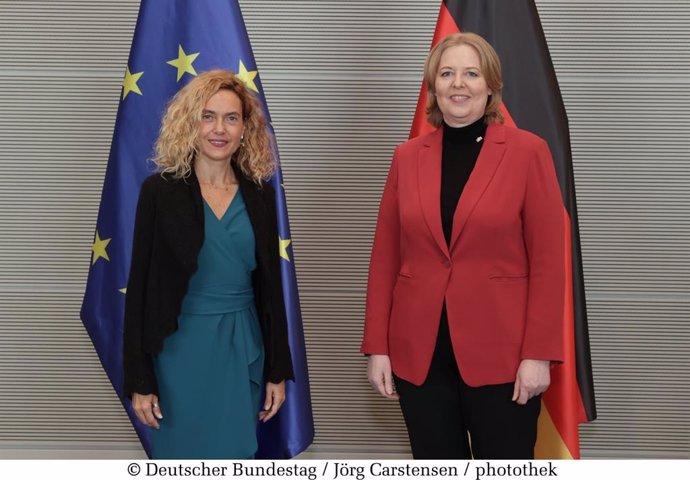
(445, 74)
(472, 74)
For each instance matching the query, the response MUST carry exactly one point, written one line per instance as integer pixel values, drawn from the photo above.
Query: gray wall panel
(342, 79)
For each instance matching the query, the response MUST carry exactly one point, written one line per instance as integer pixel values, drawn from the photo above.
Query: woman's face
(221, 127)
(461, 90)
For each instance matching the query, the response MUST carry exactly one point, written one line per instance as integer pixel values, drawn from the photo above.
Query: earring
(242, 140)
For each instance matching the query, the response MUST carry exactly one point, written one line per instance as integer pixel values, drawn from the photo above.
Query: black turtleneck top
(460, 151)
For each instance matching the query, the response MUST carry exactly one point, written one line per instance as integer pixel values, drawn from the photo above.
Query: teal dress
(210, 370)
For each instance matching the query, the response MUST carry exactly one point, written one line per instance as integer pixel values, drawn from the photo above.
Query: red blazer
(503, 278)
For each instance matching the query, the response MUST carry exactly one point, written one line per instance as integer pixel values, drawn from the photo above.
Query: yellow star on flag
(123, 291)
(99, 249)
(283, 245)
(183, 62)
(129, 84)
(248, 76)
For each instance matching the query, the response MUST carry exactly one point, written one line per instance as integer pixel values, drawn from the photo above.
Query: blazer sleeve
(139, 375)
(384, 266)
(278, 357)
(543, 219)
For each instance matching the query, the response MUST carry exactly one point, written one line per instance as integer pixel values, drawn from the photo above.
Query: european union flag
(173, 41)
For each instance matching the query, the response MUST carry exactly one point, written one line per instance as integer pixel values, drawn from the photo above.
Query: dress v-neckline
(220, 219)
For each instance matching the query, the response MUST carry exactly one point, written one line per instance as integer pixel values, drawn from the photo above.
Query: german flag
(532, 101)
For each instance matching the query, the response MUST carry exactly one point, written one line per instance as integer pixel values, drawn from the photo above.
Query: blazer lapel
(488, 161)
(429, 187)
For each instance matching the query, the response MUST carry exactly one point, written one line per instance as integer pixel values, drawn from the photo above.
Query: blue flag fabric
(174, 40)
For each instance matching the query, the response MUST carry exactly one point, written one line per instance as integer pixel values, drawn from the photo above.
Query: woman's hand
(147, 409)
(381, 375)
(275, 396)
(533, 377)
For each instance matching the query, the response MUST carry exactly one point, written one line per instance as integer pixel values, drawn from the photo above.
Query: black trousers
(441, 412)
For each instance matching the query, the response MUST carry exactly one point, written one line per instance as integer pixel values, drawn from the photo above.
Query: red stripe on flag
(563, 398)
(445, 26)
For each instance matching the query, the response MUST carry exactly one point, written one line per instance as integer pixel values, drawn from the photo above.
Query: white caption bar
(347, 469)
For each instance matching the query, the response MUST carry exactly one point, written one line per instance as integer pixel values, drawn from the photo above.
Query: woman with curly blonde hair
(205, 322)
(177, 144)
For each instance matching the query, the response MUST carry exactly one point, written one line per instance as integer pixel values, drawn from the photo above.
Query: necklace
(225, 186)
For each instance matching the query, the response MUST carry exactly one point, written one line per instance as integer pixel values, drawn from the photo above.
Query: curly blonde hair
(177, 143)
(489, 64)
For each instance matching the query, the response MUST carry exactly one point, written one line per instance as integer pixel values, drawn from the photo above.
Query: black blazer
(168, 235)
